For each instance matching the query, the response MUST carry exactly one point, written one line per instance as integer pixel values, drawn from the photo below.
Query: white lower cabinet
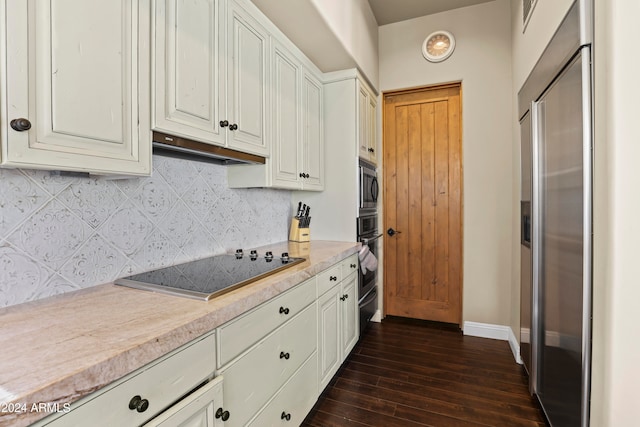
(277, 380)
(275, 361)
(252, 379)
(329, 335)
(293, 402)
(338, 331)
(147, 392)
(202, 408)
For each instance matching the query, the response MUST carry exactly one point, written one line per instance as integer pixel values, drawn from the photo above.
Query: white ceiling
(389, 11)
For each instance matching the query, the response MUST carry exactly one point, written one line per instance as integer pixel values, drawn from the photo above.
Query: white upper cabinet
(74, 89)
(312, 134)
(248, 51)
(287, 149)
(367, 140)
(294, 115)
(190, 69)
(211, 73)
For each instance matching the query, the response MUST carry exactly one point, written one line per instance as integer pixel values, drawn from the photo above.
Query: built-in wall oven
(368, 235)
(369, 188)
(367, 282)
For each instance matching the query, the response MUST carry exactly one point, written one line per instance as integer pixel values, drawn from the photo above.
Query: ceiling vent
(527, 11)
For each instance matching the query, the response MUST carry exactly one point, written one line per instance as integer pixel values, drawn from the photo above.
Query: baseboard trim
(496, 332)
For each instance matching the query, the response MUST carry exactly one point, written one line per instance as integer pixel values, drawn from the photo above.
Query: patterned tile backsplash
(60, 233)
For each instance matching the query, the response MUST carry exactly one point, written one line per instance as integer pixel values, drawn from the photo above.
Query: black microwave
(369, 188)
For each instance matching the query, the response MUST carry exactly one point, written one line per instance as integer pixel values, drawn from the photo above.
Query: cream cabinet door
(189, 69)
(247, 81)
(363, 127)
(202, 408)
(286, 147)
(371, 134)
(77, 72)
(350, 314)
(312, 134)
(329, 343)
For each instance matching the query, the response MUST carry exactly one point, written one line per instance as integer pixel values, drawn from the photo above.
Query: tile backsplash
(61, 233)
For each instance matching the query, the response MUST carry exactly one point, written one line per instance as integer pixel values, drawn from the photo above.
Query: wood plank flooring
(413, 373)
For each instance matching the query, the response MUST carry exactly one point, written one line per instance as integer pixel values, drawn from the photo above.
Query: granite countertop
(60, 349)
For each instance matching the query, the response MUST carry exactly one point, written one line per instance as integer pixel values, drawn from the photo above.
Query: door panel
(560, 253)
(248, 48)
(82, 83)
(423, 193)
(189, 69)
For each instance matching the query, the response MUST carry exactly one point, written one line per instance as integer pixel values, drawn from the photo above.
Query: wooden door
(423, 204)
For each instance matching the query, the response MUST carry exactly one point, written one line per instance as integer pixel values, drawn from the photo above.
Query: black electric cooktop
(210, 277)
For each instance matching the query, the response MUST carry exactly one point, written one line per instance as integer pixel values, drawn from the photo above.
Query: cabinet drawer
(239, 334)
(329, 278)
(253, 379)
(350, 265)
(294, 401)
(160, 383)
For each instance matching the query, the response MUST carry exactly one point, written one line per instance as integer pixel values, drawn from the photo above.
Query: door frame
(381, 212)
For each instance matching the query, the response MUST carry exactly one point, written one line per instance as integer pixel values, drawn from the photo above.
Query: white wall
(482, 61)
(528, 46)
(616, 372)
(355, 26)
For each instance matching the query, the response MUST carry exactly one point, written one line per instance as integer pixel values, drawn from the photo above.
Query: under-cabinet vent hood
(173, 146)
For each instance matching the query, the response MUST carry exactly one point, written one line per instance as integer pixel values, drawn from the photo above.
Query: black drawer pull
(138, 403)
(284, 355)
(285, 416)
(353, 266)
(333, 278)
(220, 413)
(284, 310)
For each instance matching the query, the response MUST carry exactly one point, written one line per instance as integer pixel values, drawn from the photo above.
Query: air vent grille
(527, 10)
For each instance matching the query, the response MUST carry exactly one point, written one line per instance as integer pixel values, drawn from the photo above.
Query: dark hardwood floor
(413, 373)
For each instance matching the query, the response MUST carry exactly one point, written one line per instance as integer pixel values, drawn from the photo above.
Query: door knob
(392, 232)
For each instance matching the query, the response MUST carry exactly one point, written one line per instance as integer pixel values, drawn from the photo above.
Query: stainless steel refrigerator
(555, 106)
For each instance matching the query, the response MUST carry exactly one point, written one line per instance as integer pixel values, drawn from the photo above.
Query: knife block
(297, 234)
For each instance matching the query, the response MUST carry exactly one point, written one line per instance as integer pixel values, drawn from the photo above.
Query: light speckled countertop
(60, 349)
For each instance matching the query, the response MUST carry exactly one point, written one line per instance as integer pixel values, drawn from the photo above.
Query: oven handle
(366, 241)
(369, 297)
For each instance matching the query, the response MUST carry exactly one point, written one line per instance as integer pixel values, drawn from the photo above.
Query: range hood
(174, 146)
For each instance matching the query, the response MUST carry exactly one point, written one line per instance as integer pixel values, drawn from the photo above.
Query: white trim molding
(496, 332)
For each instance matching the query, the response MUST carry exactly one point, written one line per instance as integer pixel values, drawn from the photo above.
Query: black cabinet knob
(221, 413)
(353, 266)
(284, 355)
(224, 123)
(20, 124)
(342, 298)
(284, 310)
(371, 150)
(138, 403)
(333, 278)
(285, 416)
(307, 176)
(233, 127)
